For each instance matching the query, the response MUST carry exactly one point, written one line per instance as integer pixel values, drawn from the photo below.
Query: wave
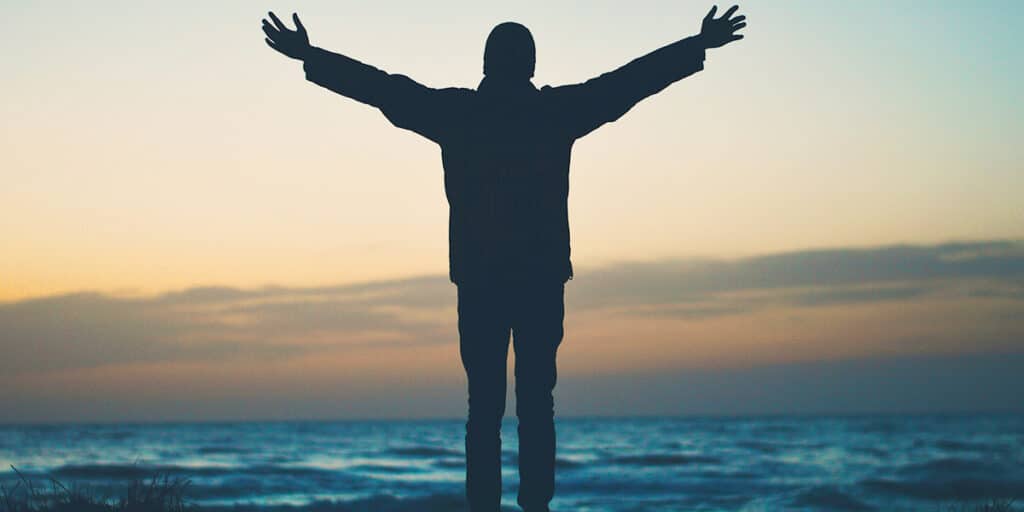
(113, 471)
(954, 467)
(383, 468)
(560, 462)
(729, 475)
(760, 446)
(221, 450)
(138, 471)
(378, 503)
(116, 435)
(951, 445)
(664, 460)
(828, 498)
(424, 451)
(949, 490)
(451, 463)
(874, 451)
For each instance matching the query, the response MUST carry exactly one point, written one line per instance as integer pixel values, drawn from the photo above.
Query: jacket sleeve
(603, 99)
(405, 102)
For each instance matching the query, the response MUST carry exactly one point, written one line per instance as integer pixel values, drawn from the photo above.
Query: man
(505, 150)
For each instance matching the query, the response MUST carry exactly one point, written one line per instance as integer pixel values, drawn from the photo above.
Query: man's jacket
(505, 149)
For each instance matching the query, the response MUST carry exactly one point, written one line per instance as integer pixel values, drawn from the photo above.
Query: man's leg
(483, 345)
(538, 331)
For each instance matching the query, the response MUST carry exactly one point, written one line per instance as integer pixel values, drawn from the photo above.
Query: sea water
(603, 465)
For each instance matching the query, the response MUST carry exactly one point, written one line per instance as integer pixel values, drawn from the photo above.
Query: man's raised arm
(606, 98)
(405, 102)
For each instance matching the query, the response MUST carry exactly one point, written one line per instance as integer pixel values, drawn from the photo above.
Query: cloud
(86, 330)
(854, 295)
(831, 271)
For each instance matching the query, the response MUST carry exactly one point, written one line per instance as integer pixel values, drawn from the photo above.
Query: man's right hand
(291, 43)
(717, 32)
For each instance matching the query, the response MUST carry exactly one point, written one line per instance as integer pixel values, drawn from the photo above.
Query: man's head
(510, 53)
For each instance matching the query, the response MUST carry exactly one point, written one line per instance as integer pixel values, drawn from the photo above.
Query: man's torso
(506, 163)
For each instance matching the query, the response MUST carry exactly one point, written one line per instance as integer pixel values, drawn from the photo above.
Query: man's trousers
(532, 313)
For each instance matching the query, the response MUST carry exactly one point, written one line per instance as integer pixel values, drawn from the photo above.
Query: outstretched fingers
(291, 43)
(277, 22)
(729, 12)
(271, 32)
(711, 13)
(737, 23)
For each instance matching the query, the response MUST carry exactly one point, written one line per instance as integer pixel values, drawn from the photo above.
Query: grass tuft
(159, 493)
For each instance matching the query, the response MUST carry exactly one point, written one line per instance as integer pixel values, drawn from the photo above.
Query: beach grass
(155, 494)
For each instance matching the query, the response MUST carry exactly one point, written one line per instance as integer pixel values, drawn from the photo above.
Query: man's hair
(510, 52)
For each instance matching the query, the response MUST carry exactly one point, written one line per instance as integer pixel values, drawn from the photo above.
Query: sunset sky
(828, 218)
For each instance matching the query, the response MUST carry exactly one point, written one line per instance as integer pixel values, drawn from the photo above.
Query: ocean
(604, 465)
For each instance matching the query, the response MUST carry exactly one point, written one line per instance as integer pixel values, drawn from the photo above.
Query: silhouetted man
(505, 149)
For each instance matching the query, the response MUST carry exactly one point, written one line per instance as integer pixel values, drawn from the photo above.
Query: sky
(826, 219)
